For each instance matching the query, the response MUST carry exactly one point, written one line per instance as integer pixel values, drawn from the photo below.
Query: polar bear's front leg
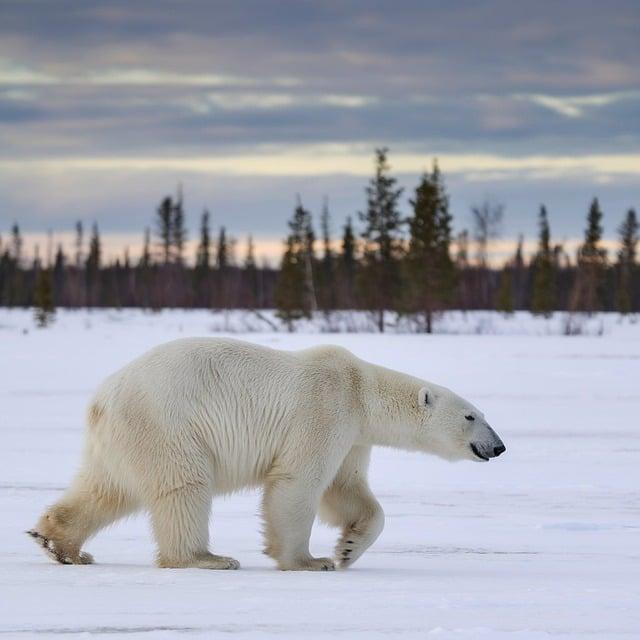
(180, 521)
(289, 508)
(349, 504)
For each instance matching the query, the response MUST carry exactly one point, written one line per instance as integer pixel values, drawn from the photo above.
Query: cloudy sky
(106, 106)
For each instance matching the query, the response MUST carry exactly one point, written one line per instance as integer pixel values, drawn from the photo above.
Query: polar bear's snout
(485, 442)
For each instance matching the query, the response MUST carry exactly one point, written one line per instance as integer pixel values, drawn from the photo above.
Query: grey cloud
(155, 79)
(142, 120)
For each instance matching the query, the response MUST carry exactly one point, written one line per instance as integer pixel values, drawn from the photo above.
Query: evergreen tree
(505, 290)
(202, 268)
(543, 298)
(327, 275)
(145, 258)
(79, 244)
(164, 228)
(251, 273)
(348, 263)
(294, 296)
(92, 268)
(178, 230)
(592, 262)
(222, 262)
(59, 273)
(627, 266)
(16, 244)
(288, 297)
(43, 298)
(380, 279)
(144, 269)
(431, 270)
(222, 251)
(308, 258)
(250, 259)
(17, 294)
(519, 276)
(203, 255)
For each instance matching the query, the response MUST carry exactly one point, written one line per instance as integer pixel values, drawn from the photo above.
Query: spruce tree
(145, 258)
(201, 271)
(308, 258)
(380, 282)
(43, 298)
(431, 270)
(294, 294)
(289, 293)
(592, 261)
(16, 244)
(79, 244)
(327, 275)
(222, 250)
(505, 290)
(92, 268)
(59, 275)
(144, 269)
(221, 275)
(543, 297)
(252, 277)
(627, 266)
(348, 264)
(178, 230)
(16, 294)
(203, 255)
(164, 229)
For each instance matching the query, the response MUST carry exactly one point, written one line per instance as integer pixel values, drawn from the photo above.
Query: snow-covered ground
(542, 542)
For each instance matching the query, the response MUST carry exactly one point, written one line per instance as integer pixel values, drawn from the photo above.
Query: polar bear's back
(184, 375)
(239, 404)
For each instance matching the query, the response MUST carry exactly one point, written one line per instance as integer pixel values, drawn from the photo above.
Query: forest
(381, 261)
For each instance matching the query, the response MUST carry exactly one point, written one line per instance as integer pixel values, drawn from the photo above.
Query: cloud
(14, 75)
(578, 106)
(254, 101)
(331, 159)
(529, 99)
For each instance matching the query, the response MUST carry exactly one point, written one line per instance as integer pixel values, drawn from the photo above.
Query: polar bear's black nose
(498, 450)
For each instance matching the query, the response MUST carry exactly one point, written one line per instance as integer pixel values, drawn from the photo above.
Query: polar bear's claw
(218, 562)
(204, 561)
(56, 554)
(311, 564)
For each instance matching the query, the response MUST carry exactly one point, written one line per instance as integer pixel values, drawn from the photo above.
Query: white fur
(196, 418)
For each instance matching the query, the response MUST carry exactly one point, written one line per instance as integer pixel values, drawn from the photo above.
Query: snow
(542, 542)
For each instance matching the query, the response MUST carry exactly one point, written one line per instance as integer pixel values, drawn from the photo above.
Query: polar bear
(200, 417)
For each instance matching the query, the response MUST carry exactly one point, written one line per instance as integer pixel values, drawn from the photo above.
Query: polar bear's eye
(469, 417)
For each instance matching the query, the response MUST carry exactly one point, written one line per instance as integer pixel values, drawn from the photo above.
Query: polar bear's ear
(423, 397)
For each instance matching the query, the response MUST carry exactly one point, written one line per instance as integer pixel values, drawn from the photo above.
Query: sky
(105, 107)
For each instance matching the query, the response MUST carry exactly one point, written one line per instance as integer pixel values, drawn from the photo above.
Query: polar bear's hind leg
(91, 503)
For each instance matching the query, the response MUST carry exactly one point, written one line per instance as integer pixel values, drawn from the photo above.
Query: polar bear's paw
(204, 561)
(348, 550)
(310, 564)
(58, 553)
(212, 561)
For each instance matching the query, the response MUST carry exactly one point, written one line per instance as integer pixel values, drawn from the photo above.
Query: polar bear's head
(453, 428)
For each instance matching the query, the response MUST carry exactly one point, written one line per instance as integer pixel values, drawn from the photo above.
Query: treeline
(382, 261)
